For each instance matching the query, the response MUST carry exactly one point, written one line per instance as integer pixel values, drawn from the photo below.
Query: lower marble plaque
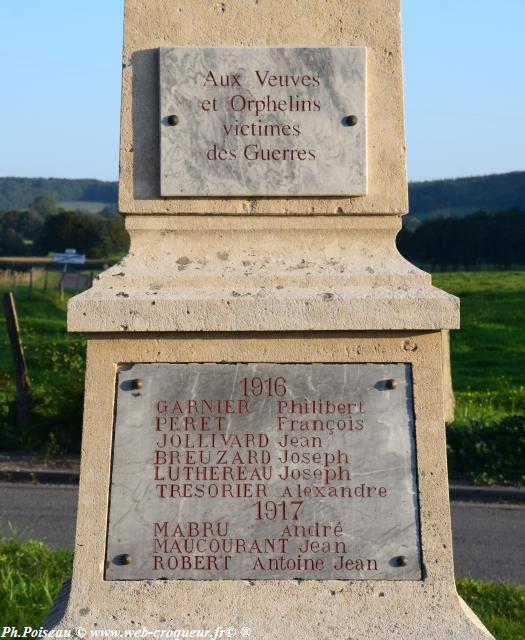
(264, 471)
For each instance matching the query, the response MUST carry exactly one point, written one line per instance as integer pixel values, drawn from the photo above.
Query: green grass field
(31, 575)
(55, 361)
(491, 342)
(42, 321)
(488, 353)
(501, 607)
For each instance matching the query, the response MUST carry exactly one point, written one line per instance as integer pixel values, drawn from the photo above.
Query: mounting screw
(401, 561)
(391, 384)
(173, 120)
(123, 559)
(137, 383)
(350, 121)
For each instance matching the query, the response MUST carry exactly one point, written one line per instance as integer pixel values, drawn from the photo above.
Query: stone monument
(267, 378)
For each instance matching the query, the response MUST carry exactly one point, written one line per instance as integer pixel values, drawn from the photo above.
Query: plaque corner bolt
(350, 121)
(124, 559)
(172, 120)
(137, 383)
(391, 384)
(401, 561)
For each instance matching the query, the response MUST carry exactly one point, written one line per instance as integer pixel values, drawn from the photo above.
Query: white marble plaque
(263, 121)
(264, 471)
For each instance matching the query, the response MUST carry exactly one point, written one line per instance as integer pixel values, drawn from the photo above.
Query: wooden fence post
(23, 385)
(30, 289)
(46, 275)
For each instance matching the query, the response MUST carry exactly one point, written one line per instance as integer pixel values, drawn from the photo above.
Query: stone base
(271, 610)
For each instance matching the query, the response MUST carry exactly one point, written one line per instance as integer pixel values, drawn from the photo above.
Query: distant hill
(461, 196)
(434, 198)
(18, 193)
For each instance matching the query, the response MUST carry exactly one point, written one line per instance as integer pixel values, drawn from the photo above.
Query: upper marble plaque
(263, 122)
(264, 471)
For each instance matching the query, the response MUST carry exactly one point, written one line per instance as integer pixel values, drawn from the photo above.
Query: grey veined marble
(264, 471)
(263, 122)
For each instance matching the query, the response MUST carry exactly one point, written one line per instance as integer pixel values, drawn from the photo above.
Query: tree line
(470, 242)
(18, 193)
(490, 193)
(45, 228)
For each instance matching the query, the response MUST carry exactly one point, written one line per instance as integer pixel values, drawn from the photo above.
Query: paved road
(43, 512)
(489, 540)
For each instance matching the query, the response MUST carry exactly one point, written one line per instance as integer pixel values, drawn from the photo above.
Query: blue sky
(60, 63)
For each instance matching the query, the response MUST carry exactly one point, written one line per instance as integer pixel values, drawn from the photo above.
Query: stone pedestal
(428, 608)
(267, 280)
